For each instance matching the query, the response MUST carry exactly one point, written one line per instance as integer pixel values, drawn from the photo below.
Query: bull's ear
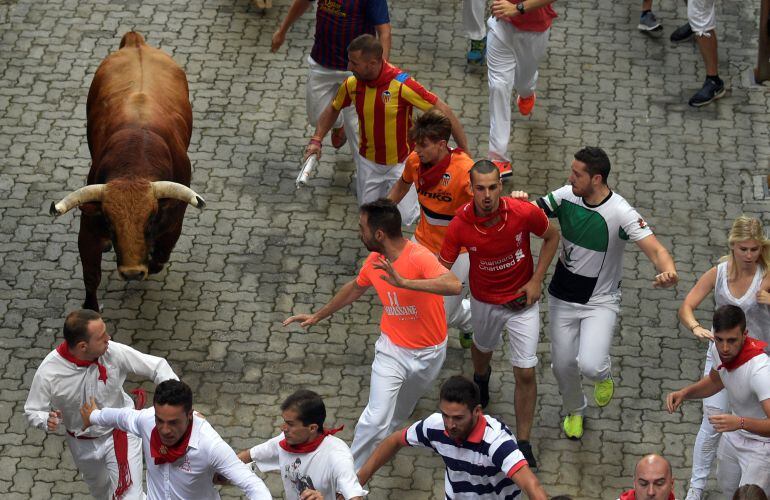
(92, 209)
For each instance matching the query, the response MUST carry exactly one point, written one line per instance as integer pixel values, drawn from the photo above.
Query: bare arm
(383, 33)
(526, 480)
(662, 261)
(446, 284)
(534, 287)
(349, 293)
(297, 8)
(457, 129)
(399, 190)
(384, 452)
(705, 387)
(325, 123)
(700, 291)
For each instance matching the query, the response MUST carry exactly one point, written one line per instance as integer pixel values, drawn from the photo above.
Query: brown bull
(139, 127)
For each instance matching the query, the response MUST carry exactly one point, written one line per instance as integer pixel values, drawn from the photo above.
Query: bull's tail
(131, 39)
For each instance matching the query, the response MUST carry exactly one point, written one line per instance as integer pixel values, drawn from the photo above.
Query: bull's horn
(86, 194)
(167, 189)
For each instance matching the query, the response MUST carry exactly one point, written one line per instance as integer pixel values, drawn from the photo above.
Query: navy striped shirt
(478, 468)
(338, 22)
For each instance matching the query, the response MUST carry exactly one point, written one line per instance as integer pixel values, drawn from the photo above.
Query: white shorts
(374, 181)
(702, 16)
(742, 461)
(523, 329)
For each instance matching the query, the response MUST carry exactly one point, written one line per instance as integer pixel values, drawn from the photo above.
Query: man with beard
(409, 281)
(744, 373)
(482, 457)
(182, 450)
(383, 96)
(653, 480)
(441, 175)
(505, 285)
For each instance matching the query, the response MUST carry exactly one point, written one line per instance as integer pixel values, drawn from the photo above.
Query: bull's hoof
(154, 267)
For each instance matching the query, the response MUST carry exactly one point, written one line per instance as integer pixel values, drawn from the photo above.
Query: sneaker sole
(644, 27)
(718, 95)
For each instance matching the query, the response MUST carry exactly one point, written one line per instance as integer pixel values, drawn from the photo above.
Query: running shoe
(526, 104)
(603, 391)
(526, 450)
(338, 137)
(682, 33)
(483, 383)
(694, 494)
(573, 426)
(648, 22)
(712, 90)
(466, 339)
(505, 168)
(478, 51)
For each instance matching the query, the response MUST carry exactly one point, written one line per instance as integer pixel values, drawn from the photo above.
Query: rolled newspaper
(307, 168)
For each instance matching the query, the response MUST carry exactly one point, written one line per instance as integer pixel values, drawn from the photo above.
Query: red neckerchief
(751, 348)
(162, 453)
(387, 73)
(631, 495)
(65, 353)
(428, 177)
(310, 445)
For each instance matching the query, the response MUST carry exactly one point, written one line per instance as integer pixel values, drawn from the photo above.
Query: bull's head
(130, 208)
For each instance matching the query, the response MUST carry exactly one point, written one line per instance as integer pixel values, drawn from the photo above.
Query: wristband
(315, 140)
(693, 327)
(742, 422)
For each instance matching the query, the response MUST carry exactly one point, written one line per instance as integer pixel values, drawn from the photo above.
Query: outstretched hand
(85, 412)
(666, 279)
(392, 277)
(674, 400)
(304, 320)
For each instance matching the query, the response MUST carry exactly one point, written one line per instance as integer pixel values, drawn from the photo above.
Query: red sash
(162, 453)
(310, 445)
(751, 348)
(65, 353)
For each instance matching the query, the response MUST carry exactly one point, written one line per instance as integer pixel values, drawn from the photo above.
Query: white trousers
(702, 15)
(473, 18)
(742, 461)
(457, 307)
(707, 440)
(374, 181)
(321, 88)
(512, 59)
(96, 461)
(400, 376)
(523, 327)
(581, 336)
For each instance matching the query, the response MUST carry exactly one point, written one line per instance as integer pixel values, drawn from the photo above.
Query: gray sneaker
(648, 22)
(694, 494)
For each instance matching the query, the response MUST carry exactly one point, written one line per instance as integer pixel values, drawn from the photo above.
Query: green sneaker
(603, 391)
(573, 426)
(466, 339)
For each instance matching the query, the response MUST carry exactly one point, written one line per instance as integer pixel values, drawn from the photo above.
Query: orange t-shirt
(410, 319)
(440, 203)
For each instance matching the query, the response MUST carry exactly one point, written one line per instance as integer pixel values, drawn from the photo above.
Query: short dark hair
(749, 492)
(432, 125)
(484, 167)
(727, 317)
(383, 214)
(309, 406)
(596, 160)
(459, 389)
(368, 45)
(174, 393)
(76, 326)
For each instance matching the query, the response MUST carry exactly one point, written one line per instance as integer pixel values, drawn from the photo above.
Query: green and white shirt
(590, 265)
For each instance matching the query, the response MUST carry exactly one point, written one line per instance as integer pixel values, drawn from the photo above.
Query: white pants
(473, 18)
(581, 336)
(742, 461)
(400, 376)
(702, 15)
(512, 59)
(707, 440)
(96, 461)
(457, 307)
(321, 88)
(523, 329)
(374, 181)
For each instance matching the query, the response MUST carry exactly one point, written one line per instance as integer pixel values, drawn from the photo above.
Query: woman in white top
(741, 279)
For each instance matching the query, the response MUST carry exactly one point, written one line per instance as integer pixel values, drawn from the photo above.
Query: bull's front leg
(91, 245)
(166, 240)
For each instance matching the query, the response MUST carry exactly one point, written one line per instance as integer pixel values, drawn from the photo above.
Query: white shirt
(329, 469)
(747, 386)
(191, 476)
(62, 385)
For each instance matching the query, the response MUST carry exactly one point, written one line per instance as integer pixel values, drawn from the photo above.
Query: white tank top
(757, 315)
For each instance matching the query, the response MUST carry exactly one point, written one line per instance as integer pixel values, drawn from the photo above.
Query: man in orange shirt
(409, 354)
(442, 178)
(384, 97)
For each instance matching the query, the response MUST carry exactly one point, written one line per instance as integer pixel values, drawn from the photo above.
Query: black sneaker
(682, 33)
(711, 90)
(483, 383)
(526, 450)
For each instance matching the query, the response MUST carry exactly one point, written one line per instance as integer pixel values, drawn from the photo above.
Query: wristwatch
(520, 7)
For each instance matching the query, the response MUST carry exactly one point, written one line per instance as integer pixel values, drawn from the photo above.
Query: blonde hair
(748, 228)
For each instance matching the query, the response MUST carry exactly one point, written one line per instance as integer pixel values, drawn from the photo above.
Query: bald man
(653, 480)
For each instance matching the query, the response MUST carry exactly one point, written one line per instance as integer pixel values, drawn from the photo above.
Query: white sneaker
(694, 494)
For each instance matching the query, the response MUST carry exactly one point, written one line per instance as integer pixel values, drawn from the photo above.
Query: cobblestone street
(262, 249)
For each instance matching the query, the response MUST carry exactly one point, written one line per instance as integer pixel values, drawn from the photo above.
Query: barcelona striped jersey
(384, 108)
